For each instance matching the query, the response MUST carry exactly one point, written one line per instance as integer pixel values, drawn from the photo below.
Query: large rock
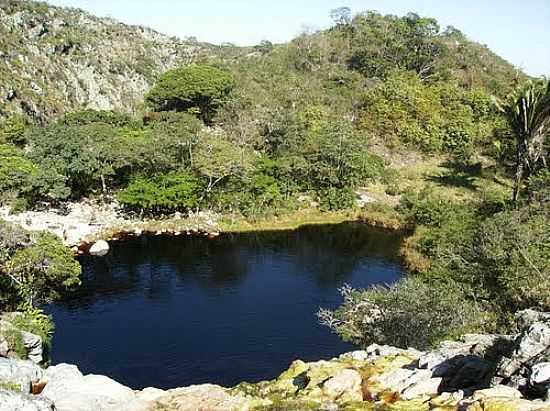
(33, 345)
(12, 401)
(533, 346)
(345, 383)
(4, 347)
(70, 391)
(100, 249)
(540, 374)
(500, 391)
(62, 372)
(201, 397)
(20, 373)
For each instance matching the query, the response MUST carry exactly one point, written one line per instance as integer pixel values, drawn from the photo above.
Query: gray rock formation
(19, 373)
(60, 59)
(12, 401)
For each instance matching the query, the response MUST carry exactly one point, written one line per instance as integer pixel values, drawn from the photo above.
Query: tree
(175, 191)
(42, 270)
(382, 44)
(265, 47)
(341, 16)
(528, 112)
(13, 130)
(176, 135)
(217, 159)
(197, 89)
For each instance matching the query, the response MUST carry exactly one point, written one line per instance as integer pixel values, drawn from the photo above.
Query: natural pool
(175, 311)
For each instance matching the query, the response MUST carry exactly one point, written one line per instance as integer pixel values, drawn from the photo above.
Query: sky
(518, 30)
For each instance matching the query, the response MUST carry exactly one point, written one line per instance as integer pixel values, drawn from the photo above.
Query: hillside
(54, 60)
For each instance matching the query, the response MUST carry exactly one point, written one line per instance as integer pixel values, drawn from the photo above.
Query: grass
(291, 221)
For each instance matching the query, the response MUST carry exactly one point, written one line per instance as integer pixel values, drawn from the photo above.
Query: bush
(35, 321)
(44, 269)
(435, 117)
(513, 250)
(412, 313)
(17, 174)
(166, 193)
(13, 130)
(333, 199)
(81, 118)
(197, 89)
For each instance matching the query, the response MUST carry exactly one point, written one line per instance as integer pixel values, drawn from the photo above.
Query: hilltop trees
(382, 44)
(196, 89)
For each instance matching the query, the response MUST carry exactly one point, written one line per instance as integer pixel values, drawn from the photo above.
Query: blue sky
(518, 30)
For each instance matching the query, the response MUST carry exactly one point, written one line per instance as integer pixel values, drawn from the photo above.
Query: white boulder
(100, 248)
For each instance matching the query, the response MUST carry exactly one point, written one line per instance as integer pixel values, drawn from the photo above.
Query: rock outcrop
(55, 60)
(93, 223)
(475, 373)
(32, 343)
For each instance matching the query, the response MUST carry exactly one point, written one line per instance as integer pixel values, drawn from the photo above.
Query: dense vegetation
(251, 131)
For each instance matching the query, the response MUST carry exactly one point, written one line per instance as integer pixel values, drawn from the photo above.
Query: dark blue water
(170, 312)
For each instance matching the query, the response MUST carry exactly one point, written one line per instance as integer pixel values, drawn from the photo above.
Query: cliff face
(53, 60)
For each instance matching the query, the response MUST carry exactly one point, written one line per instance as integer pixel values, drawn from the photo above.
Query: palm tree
(528, 112)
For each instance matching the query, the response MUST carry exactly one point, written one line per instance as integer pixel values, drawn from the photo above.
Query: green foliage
(217, 158)
(35, 321)
(175, 191)
(333, 199)
(528, 112)
(17, 174)
(412, 313)
(514, 246)
(81, 118)
(539, 187)
(403, 110)
(13, 130)
(175, 135)
(382, 44)
(80, 158)
(15, 342)
(197, 89)
(42, 270)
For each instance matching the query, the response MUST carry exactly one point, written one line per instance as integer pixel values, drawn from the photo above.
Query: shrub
(513, 250)
(81, 118)
(17, 174)
(412, 313)
(35, 321)
(166, 193)
(41, 271)
(333, 198)
(13, 130)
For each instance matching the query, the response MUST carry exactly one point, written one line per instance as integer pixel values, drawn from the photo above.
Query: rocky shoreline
(475, 373)
(85, 224)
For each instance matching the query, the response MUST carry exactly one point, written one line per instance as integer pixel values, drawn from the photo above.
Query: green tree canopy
(197, 89)
(40, 271)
